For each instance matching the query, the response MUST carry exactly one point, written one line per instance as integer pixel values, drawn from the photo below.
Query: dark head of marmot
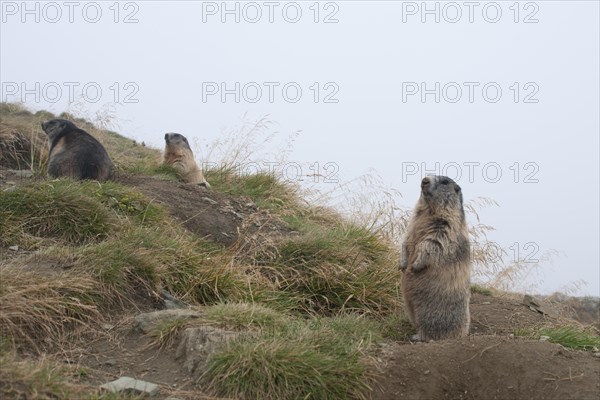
(436, 262)
(176, 140)
(440, 194)
(56, 127)
(75, 153)
(179, 155)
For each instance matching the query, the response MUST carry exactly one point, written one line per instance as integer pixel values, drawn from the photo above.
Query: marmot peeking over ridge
(179, 154)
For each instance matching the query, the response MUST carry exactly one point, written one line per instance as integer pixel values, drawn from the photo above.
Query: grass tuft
(244, 316)
(482, 290)
(34, 306)
(317, 359)
(54, 209)
(341, 268)
(573, 337)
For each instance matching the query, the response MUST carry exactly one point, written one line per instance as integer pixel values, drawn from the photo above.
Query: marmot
(436, 262)
(179, 154)
(75, 153)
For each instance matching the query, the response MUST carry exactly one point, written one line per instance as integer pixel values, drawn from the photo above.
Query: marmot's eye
(445, 181)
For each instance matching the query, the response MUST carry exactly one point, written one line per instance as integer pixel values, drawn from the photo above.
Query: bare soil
(488, 367)
(209, 214)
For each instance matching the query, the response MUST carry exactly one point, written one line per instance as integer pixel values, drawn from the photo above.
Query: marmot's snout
(425, 182)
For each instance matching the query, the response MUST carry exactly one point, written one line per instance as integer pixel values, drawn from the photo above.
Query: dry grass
(23, 144)
(35, 307)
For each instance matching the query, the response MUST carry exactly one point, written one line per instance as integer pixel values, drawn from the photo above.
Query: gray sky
(489, 88)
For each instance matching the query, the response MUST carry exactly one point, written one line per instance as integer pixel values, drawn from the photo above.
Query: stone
(131, 385)
(21, 173)
(148, 321)
(538, 305)
(198, 343)
(14, 248)
(544, 338)
(209, 200)
(171, 303)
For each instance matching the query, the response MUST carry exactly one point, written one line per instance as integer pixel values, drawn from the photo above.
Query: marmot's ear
(166, 136)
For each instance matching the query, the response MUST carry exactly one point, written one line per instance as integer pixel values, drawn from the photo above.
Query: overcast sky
(501, 96)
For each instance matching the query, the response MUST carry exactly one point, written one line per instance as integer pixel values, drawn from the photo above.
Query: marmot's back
(75, 153)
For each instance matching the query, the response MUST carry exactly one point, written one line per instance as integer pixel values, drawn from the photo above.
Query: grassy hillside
(90, 250)
(313, 298)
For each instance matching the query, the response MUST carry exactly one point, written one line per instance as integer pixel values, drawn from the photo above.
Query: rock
(107, 327)
(130, 385)
(597, 354)
(198, 343)
(415, 338)
(544, 338)
(486, 303)
(14, 248)
(538, 305)
(209, 200)
(21, 173)
(171, 303)
(148, 321)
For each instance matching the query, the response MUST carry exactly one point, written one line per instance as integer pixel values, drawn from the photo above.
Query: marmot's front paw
(403, 265)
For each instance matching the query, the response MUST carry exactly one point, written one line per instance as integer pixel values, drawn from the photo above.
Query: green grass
(53, 209)
(573, 337)
(264, 189)
(244, 316)
(319, 359)
(481, 290)
(340, 268)
(188, 268)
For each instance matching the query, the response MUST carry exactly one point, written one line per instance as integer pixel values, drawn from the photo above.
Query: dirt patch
(490, 363)
(503, 316)
(487, 368)
(125, 351)
(212, 215)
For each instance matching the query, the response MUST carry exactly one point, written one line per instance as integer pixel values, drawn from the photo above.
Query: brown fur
(179, 155)
(75, 153)
(436, 262)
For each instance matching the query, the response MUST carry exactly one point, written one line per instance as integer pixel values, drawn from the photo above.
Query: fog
(501, 96)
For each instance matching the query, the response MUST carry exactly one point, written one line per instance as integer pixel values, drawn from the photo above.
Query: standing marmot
(436, 262)
(75, 153)
(179, 154)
